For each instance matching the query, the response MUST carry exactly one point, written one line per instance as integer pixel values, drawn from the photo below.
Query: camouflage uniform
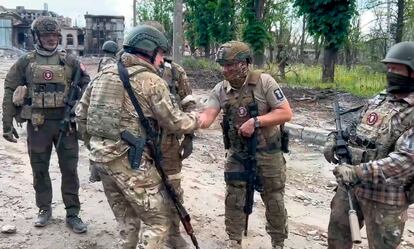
(110, 48)
(282, 58)
(271, 167)
(179, 86)
(134, 195)
(106, 60)
(377, 142)
(47, 76)
(381, 143)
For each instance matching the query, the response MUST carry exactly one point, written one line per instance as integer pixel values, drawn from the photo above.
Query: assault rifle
(344, 156)
(65, 125)
(153, 145)
(252, 180)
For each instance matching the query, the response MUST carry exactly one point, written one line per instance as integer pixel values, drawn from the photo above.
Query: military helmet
(110, 47)
(233, 51)
(154, 24)
(401, 53)
(45, 25)
(145, 38)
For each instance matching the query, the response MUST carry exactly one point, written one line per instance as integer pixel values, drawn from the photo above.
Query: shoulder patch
(279, 94)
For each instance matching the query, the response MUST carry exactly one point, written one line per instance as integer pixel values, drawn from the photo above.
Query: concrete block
(314, 135)
(295, 131)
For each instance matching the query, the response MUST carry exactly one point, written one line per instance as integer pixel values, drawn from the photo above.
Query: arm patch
(279, 94)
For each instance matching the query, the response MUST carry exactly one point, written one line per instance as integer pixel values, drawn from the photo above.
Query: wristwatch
(256, 122)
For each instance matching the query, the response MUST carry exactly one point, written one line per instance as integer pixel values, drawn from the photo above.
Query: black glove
(186, 147)
(11, 135)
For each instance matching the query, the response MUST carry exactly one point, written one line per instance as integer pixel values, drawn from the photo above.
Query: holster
(135, 150)
(285, 141)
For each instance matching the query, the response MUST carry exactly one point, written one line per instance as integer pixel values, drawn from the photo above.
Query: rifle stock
(344, 156)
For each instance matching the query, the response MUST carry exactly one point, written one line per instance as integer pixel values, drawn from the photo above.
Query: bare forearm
(275, 117)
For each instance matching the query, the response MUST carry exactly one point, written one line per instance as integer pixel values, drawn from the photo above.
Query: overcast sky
(76, 9)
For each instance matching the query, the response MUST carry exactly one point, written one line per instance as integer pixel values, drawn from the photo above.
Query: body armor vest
(50, 81)
(236, 112)
(375, 137)
(106, 103)
(105, 61)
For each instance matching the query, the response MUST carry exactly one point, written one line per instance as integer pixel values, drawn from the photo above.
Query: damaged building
(101, 28)
(15, 30)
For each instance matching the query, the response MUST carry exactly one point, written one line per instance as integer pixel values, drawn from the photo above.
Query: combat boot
(76, 224)
(233, 244)
(277, 245)
(174, 238)
(43, 217)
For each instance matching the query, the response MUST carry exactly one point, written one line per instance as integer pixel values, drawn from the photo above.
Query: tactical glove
(347, 174)
(186, 147)
(11, 135)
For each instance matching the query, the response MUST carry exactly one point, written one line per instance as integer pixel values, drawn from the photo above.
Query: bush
(192, 63)
(360, 80)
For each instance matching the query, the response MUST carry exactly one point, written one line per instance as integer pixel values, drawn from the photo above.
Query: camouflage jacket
(153, 96)
(177, 82)
(106, 60)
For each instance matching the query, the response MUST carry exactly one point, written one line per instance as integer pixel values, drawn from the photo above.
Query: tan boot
(233, 244)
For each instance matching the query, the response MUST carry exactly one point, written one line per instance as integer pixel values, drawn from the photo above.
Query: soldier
(40, 81)
(106, 110)
(282, 59)
(242, 88)
(173, 151)
(382, 146)
(110, 48)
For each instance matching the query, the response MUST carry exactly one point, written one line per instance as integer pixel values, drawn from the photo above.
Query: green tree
(225, 28)
(254, 31)
(201, 15)
(331, 20)
(157, 10)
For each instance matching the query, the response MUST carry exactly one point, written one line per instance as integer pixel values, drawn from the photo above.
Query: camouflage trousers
(172, 164)
(271, 167)
(40, 144)
(133, 205)
(384, 223)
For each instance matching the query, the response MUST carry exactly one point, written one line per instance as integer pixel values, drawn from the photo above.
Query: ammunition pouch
(285, 141)
(48, 95)
(135, 150)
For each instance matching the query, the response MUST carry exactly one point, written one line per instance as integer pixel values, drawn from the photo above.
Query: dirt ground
(309, 189)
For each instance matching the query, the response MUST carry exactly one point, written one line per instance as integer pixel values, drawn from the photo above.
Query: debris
(332, 184)
(9, 229)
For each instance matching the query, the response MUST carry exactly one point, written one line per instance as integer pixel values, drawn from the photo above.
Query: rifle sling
(123, 74)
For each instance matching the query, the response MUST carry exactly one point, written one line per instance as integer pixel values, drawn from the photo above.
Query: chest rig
(49, 82)
(375, 137)
(239, 109)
